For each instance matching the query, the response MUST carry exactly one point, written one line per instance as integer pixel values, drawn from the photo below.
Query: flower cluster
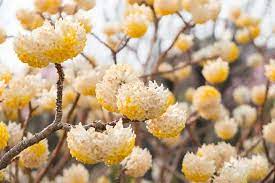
(111, 146)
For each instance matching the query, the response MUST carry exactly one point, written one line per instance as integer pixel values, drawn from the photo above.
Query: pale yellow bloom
(139, 10)
(166, 7)
(189, 94)
(76, 173)
(184, 42)
(29, 19)
(3, 35)
(268, 132)
(138, 162)
(197, 169)
(4, 136)
(254, 60)
(170, 124)
(226, 129)
(270, 70)
(245, 115)
(242, 36)
(135, 26)
(49, 6)
(258, 94)
(16, 133)
(241, 95)
(51, 44)
(70, 8)
(35, 156)
(114, 78)
(229, 51)
(216, 72)
(86, 4)
(257, 168)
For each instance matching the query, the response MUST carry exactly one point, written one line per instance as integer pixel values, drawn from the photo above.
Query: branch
(54, 126)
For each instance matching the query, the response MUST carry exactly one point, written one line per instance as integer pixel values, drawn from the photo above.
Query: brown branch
(165, 53)
(268, 175)
(59, 145)
(54, 126)
(27, 120)
(89, 60)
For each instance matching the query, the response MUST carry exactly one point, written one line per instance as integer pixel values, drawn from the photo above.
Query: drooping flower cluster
(245, 115)
(226, 128)
(76, 173)
(29, 19)
(197, 169)
(241, 95)
(122, 91)
(268, 132)
(138, 162)
(51, 44)
(202, 11)
(166, 7)
(137, 18)
(207, 101)
(270, 70)
(4, 136)
(49, 6)
(216, 72)
(111, 146)
(35, 156)
(170, 124)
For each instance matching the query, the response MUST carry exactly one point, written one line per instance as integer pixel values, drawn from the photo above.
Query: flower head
(76, 173)
(270, 70)
(16, 132)
(140, 102)
(4, 136)
(166, 7)
(35, 155)
(51, 44)
(196, 168)
(184, 42)
(258, 168)
(216, 72)
(268, 132)
(3, 35)
(86, 4)
(245, 115)
(241, 95)
(169, 124)
(135, 26)
(226, 129)
(258, 94)
(138, 162)
(114, 78)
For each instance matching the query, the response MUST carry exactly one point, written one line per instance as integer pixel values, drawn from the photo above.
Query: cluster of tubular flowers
(249, 28)
(166, 7)
(3, 35)
(111, 146)
(184, 42)
(85, 82)
(268, 132)
(241, 95)
(137, 163)
(258, 94)
(86, 4)
(19, 92)
(76, 173)
(236, 170)
(226, 128)
(207, 101)
(243, 170)
(257, 168)
(136, 21)
(16, 132)
(83, 19)
(29, 19)
(245, 115)
(5, 74)
(197, 169)
(228, 50)
(49, 6)
(202, 11)
(270, 70)
(169, 124)
(114, 78)
(46, 99)
(4, 136)
(51, 44)
(34, 156)
(216, 71)
(254, 60)
(219, 153)
(140, 102)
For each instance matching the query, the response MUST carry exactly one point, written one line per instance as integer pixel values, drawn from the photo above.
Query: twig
(27, 120)
(268, 175)
(59, 145)
(54, 126)
(89, 60)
